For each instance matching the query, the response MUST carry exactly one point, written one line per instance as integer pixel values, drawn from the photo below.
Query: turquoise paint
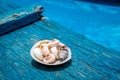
(80, 25)
(89, 60)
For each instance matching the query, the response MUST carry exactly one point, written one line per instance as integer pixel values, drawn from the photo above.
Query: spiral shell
(38, 54)
(63, 52)
(44, 42)
(45, 50)
(54, 51)
(53, 43)
(50, 58)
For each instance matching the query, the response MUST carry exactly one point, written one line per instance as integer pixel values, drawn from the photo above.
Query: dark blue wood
(18, 23)
(90, 61)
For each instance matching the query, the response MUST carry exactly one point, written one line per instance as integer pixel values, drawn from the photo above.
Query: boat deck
(90, 61)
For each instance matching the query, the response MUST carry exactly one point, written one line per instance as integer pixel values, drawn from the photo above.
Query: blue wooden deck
(90, 61)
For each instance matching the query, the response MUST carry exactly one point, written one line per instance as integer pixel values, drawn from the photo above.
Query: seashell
(44, 42)
(54, 51)
(63, 52)
(53, 43)
(45, 50)
(38, 54)
(43, 45)
(64, 47)
(50, 58)
(61, 44)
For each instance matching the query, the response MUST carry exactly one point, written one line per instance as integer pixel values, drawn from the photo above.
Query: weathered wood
(18, 23)
(90, 61)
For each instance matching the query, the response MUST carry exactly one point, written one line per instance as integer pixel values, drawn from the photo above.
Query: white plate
(55, 63)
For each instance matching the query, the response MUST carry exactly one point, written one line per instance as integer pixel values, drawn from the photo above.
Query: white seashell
(63, 52)
(61, 44)
(43, 45)
(50, 58)
(54, 51)
(45, 50)
(54, 42)
(38, 54)
(44, 42)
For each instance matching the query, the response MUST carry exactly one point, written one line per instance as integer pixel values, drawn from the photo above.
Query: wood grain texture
(90, 61)
(7, 6)
(20, 22)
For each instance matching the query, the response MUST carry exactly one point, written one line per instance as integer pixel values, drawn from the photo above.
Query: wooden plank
(90, 61)
(18, 23)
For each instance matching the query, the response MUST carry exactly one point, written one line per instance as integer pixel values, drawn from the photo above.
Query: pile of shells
(51, 52)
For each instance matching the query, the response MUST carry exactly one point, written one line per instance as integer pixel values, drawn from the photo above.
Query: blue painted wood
(8, 6)
(18, 23)
(90, 61)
